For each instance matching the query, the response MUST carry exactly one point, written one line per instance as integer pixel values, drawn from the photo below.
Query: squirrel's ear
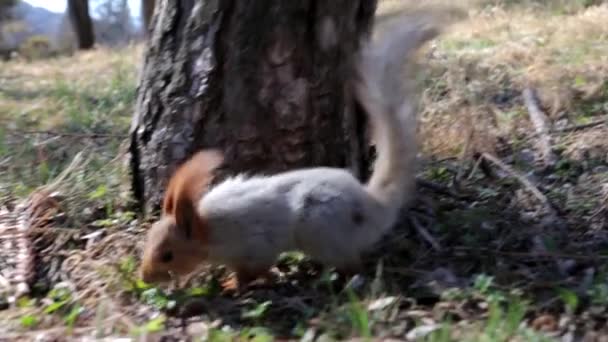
(215, 157)
(185, 216)
(169, 200)
(185, 188)
(209, 159)
(172, 191)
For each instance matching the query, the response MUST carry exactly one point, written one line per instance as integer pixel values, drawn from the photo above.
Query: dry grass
(482, 259)
(482, 64)
(52, 109)
(39, 91)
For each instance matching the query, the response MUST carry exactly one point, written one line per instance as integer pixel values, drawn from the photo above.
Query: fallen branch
(571, 128)
(463, 156)
(582, 126)
(425, 234)
(523, 180)
(535, 255)
(482, 164)
(438, 188)
(541, 123)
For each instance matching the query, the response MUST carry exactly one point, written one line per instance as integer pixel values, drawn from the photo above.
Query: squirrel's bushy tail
(385, 89)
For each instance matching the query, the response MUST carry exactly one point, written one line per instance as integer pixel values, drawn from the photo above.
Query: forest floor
(508, 239)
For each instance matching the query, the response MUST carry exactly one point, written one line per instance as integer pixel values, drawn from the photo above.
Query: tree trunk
(264, 80)
(147, 10)
(82, 25)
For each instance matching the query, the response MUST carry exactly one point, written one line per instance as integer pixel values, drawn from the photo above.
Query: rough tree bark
(264, 80)
(147, 10)
(82, 25)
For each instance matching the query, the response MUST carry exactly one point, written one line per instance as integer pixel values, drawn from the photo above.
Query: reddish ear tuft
(169, 201)
(210, 159)
(186, 187)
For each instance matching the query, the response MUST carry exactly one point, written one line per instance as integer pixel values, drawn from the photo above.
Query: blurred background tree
(78, 11)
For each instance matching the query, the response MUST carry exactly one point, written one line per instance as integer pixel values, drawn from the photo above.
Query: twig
(522, 179)
(541, 123)
(77, 162)
(476, 166)
(530, 255)
(463, 156)
(72, 135)
(5, 161)
(582, 126)
(483, 166)
(404, 271)
(601, 209)
(439, 188)
(425, 234)
(572, 128)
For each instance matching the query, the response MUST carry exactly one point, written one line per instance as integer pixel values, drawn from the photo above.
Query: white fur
(252, 220)
(326, 212)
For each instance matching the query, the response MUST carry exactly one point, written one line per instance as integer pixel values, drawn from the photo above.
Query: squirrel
(245, 222)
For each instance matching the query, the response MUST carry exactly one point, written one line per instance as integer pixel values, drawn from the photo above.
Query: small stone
(198, 330)
(526, 156)
(421, 331)
(22, 289)
(600, 169)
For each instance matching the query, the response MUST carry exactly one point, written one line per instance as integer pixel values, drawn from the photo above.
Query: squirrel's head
(177, 243)
(170, 251)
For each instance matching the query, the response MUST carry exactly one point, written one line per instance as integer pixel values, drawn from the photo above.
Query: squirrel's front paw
(231, 284)
(241, 279)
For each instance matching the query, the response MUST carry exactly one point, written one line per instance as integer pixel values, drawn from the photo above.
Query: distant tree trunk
(78, 11)
(264, 80)
(147, 10)
(6, 9)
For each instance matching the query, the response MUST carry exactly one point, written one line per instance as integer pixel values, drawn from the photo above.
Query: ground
(499, 245)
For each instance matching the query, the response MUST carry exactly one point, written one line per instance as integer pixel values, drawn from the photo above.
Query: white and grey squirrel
(245, 222)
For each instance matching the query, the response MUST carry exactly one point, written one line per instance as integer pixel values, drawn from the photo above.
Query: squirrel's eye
(166, 257)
